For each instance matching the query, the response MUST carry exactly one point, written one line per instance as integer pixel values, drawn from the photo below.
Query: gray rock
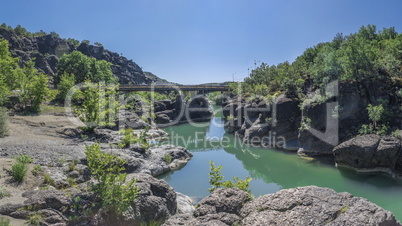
(256, 132)
(156, 201)
(162, 119)
(184, 204)
(313, 205)
(48, 49)
(52, 199)
(369, 153)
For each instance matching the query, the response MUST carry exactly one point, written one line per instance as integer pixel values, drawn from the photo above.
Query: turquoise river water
(271, 170)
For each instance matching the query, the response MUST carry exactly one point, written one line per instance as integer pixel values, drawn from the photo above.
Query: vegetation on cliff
(370, 61)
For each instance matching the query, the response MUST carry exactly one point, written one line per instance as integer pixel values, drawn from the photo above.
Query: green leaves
(114, 192)
(216, 177)
(85, 68)
(99, 104)
(375, 113)
(365, 55)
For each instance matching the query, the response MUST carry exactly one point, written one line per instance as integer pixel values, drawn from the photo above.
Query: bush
(215, 179)
(4, 130)
(131, 138)
(66, 83)
(4, 221)
(25, 159)
(4, 193)
(112, 189)
(19, 171)
(35, 219)
(168, 158)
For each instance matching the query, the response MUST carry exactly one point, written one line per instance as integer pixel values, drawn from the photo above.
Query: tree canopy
(85, 68)
(367, 54)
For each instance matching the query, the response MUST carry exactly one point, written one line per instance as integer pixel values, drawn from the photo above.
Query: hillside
(46, 49)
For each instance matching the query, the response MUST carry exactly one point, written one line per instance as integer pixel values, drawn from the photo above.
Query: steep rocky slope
(46, 50)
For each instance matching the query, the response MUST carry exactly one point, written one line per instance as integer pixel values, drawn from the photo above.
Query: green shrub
(48, 180)
(4, 221)
(36, 170)
(4, 129)
(4, 193)
(366, 129)
(168, 158)
(19, 171)
(35, 219)
(131, 138)
(25, 159)
(112, 189)
(216, 177)
(375, 113)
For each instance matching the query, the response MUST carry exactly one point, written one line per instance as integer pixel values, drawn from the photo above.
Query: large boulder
(257, 132)
(309, 205)
(222, 207)
(369, 153)
(156, 202)
(313, 205)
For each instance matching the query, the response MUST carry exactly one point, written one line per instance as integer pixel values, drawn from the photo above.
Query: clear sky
(200, 41)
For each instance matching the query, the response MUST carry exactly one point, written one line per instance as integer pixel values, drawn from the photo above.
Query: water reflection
(271, 170)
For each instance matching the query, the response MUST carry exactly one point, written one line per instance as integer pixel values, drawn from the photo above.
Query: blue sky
(200, 41)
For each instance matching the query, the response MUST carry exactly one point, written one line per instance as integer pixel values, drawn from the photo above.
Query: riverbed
(270, 170)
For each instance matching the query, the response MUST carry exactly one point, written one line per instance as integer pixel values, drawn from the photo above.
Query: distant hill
(46, 49)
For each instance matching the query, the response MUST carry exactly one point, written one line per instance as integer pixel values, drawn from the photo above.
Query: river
(270, 170)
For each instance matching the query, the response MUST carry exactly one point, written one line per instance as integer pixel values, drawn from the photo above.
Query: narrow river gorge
(270, 170)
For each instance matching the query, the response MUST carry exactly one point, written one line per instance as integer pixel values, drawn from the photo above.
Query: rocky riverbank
(309, 205)
(321, 125)
(58, 146)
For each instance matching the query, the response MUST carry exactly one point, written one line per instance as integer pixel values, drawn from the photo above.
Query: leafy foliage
(114, 192)
(4, 221)
(19, 171)
(216, 177)
(99, 104)
(367, 54)
(375, 113)
(85, 68)
(4, 129)
(67, 81)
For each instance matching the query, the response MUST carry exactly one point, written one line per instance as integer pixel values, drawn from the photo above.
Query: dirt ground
(42, 138)
(15, 189)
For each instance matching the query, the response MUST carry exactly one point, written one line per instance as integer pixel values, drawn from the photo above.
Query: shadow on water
(270, 169)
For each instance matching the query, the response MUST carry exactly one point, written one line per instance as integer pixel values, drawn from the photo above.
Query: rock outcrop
(181, 111)
(370, 153)
(309, 205)
(49, 48)
(259, 122)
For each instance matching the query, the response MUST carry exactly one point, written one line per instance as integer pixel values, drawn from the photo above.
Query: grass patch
(48, 180)
(168, 158)
(4, 221)
(4, 193)
(35, 219)
(19, 171)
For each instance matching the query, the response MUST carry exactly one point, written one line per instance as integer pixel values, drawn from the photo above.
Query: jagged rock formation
(309, 205)
(46, 50)
(370, 153)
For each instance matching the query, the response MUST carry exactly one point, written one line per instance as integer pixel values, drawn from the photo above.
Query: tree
(3, 122)
(9, 69)
(85, 68)
(375, 113)
(19, 30)
(33, 88)
(112, 189)
(99, 106)
(66, 83)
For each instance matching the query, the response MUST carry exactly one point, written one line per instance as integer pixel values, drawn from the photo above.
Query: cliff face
(46, 50)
